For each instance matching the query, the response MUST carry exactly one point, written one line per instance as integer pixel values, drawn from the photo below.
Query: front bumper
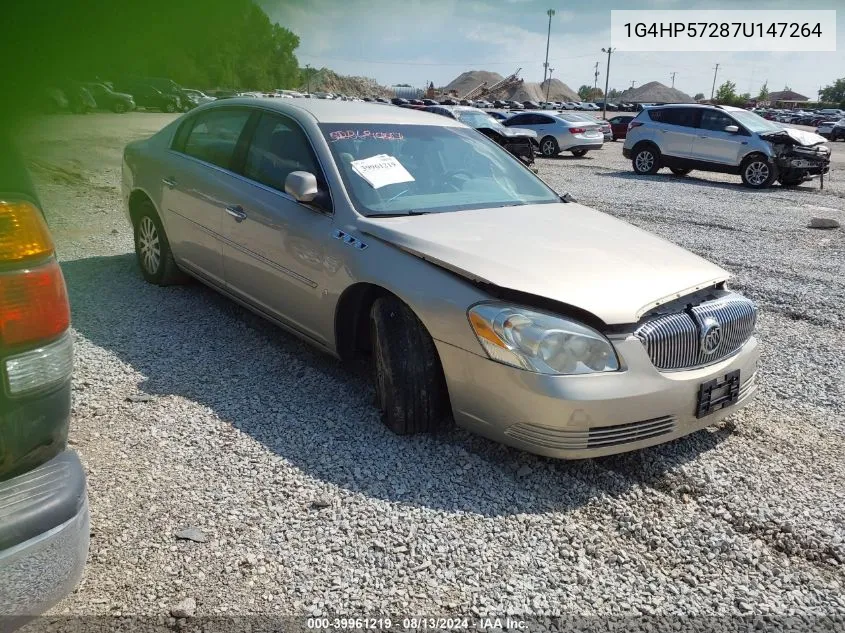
(626, 153)
(44, 531)
(576, 417)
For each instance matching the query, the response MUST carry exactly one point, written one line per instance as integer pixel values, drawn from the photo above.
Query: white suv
(723, 139)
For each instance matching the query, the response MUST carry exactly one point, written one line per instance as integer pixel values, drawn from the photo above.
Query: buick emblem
(711, 335)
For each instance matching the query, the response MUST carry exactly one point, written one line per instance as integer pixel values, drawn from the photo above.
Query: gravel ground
(191, 412)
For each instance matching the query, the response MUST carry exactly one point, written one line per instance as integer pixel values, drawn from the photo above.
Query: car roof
(701, 106)
(331, 111)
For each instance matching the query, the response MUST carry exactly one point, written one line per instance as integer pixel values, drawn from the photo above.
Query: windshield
(477, 119)
(754, 122)
(406, 169)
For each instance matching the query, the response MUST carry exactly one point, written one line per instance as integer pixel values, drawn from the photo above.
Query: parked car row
(122, 95)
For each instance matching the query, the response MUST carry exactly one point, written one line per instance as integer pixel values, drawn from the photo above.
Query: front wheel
(549, 147)
(579, 152)
(119, 107)
(410, 387)
(170, 107)
(758, 172)
(646, 161)
(153, 249)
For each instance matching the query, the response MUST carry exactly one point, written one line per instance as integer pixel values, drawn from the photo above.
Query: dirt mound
(325, 80)
(465, 82)
(525, 91)
(654, 92)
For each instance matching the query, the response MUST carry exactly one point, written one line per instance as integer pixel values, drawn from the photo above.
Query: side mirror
(302, 185)
(732, 129)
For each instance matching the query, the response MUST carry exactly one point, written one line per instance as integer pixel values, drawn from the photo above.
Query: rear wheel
(410, 388)
(153, 249)
(678, 171)
(646, 160)
(119, 107)
(170, 107)
(549, 147)
(579, 152)
(758, 172)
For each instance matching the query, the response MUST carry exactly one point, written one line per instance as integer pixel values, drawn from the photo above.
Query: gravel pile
(234, 470)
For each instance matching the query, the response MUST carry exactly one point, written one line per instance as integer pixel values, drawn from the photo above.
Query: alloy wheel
(645, 161)
(149, 246)
(757, 172)
(548, 147)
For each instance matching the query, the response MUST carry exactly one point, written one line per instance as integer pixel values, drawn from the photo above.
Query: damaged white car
(724, 139)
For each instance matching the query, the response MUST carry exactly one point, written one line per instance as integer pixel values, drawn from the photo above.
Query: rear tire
(646, 160)
(170, 107)
(758, 172)
(678, 171)
(119, 107)
(579, 152)
(549, 146)
(153, 249)
(410, 387)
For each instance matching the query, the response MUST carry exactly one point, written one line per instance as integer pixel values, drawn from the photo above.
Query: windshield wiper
(397, 215)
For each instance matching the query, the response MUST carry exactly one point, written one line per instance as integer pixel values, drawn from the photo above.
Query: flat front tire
(410, 388)
(758, 172)
(678, 171)
(153, 250)
(646, 160)
(579, 152)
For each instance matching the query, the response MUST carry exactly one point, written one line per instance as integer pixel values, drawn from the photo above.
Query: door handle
(237, 212)
(170, 182)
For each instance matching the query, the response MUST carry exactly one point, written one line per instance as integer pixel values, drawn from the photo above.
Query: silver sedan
(482, 297)
(560, 131)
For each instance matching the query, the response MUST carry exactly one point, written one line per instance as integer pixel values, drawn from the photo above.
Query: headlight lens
(540, 342)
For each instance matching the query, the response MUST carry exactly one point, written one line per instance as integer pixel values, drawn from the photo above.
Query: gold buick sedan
(483, 297)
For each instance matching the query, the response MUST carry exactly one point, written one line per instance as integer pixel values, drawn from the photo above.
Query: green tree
(613, 93)
(699, 96)
(584, 92)
(726, 94)
(764, 92)
(835, 93)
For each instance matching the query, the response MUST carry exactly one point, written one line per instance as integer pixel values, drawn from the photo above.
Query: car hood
(512, 132)
(565, 252)
(793, 137)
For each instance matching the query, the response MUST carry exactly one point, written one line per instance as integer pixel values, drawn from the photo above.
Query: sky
(417, 41)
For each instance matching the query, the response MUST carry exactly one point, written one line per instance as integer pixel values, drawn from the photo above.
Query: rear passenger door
(195, 182)
(714, 145)
(676, 130)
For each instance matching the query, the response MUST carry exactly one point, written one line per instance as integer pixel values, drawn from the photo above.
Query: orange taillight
(33, 304)
(23, 232)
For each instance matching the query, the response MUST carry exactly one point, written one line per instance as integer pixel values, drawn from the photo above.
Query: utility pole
(632, 84)
(550, 13)
(548, 85)
(713, 89)
(596, 80)
(308, 75)
(609, 51)
(673, 78)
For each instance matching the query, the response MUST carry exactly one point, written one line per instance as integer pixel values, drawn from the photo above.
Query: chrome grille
(673, 341)
(595, 437)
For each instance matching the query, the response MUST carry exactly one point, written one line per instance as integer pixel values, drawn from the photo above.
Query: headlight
(540, 342)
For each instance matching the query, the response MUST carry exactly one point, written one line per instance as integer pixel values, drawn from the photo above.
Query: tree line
(197, 43)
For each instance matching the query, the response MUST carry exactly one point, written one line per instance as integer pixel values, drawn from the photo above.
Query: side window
(278, 147)
(541, 119)
(716, 121)
(214, 135)
(615, 120)
(519, 119)
(684, 117)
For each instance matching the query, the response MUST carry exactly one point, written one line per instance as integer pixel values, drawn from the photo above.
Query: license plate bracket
(717, 394)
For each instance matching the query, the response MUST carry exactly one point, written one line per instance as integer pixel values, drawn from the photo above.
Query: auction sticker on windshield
(381, 170)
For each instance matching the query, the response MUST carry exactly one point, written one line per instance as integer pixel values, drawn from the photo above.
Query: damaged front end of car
(798, 155)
